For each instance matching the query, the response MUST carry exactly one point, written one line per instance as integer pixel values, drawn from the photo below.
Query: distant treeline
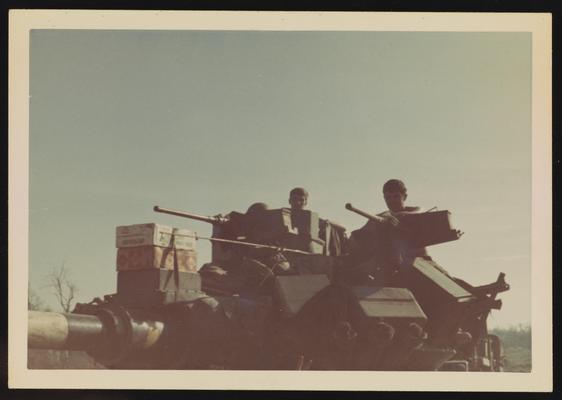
(517, 347)
(514, 336)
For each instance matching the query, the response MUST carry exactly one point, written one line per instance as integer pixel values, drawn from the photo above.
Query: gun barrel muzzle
(51, 330)
(70, 331)
(375, 218)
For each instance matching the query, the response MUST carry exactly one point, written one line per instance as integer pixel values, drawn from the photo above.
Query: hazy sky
(211, 122)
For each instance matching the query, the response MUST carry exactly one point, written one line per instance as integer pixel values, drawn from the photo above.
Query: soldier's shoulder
(407, 210)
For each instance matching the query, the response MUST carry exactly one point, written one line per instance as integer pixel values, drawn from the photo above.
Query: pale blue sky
(211, 122)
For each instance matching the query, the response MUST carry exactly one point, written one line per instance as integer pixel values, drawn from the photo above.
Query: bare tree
(62, 286)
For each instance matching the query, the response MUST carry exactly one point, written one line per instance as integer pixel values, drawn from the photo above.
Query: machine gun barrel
(211, 220)
(253, 245)
(375, 218)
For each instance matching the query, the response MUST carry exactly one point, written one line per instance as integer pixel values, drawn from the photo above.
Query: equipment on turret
(419, 229)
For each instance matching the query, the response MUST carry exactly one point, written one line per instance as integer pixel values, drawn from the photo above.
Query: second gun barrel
(375, 218)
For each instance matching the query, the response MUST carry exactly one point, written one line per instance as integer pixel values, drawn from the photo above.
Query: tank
(285, 290)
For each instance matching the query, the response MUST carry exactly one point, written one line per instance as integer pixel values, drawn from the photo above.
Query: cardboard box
(150, 257)
(154, 235)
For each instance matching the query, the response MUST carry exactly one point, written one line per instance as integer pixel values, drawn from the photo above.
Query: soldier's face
(297, 202)
(395, 200)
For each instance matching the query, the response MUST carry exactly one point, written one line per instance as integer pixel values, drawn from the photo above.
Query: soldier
(259, 266)
(379, 249)
(395, 195)
(332, 234)
(298, 197)
(231, 276)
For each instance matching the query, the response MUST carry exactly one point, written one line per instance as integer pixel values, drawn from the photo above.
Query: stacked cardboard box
(148, 246)
(155, 261)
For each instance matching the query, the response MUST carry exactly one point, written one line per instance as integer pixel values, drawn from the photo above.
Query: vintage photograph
(281, 196)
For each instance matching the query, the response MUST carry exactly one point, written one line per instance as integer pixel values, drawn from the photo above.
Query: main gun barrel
(210, 220)
(108, 335)
(51, 330)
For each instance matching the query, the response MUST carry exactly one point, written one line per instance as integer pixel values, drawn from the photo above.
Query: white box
(154, 235)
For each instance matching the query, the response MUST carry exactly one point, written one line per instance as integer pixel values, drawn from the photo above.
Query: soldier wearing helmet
(395, 195)
(378, 248)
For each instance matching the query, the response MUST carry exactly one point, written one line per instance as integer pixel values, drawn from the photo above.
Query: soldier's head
(395, 194)
(298, 197)
(256, 207)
